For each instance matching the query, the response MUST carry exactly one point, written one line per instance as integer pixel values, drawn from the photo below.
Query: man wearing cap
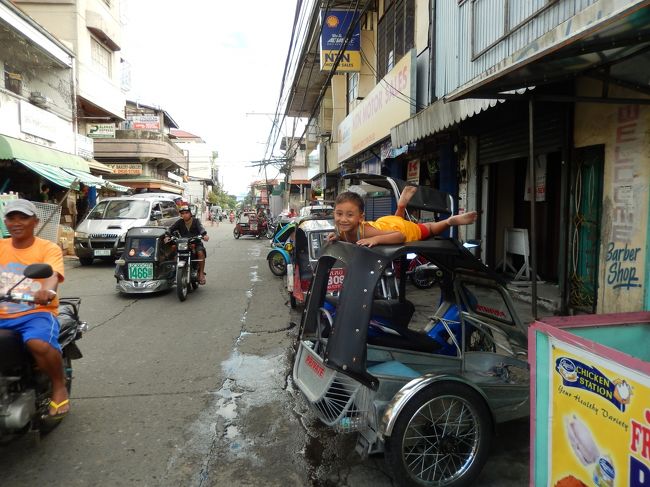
(188, 226)
(36, 322)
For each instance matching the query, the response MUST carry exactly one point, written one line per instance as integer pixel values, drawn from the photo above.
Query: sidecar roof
(425, 198)
(139, 232)
(446, 253)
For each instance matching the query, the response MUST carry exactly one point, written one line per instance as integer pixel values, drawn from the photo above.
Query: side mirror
(156, 215)
(38, 271)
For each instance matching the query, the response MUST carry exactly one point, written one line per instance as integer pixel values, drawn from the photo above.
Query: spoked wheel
(269, 232)
(441, 438)
(235, 233)
(277, 264)
(181, 283)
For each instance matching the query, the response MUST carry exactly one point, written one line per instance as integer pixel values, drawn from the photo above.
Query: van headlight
(81, 235)
(182, 245)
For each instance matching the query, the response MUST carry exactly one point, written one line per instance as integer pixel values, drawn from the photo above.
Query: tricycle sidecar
(248, 224)
(309, 238)
(425, 390)
(148, 263)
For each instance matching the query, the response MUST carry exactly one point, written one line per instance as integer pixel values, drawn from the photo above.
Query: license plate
(335, 281)
(141, 271)
(253, 226)
(102, 253)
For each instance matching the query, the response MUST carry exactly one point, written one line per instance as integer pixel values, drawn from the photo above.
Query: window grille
(395, 35)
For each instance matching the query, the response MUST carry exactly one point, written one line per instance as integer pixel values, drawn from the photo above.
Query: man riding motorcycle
(35, 321)
(188, 226)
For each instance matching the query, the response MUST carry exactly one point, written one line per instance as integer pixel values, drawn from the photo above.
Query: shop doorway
(504, 204)
(584, 227)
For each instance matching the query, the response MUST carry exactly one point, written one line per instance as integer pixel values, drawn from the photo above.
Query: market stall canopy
(91, 180)
(11, 148)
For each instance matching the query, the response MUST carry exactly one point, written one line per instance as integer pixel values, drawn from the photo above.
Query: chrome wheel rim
(441, 440)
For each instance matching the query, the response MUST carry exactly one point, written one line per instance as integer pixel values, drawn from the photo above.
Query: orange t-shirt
(12, 263)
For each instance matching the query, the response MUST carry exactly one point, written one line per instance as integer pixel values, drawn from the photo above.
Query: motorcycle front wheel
(181, 283)
(235, 233)
(277, 264)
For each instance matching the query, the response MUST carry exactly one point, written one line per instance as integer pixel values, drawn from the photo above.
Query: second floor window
(13, 80)
(353, 87)
(395, 35)
(101, 56)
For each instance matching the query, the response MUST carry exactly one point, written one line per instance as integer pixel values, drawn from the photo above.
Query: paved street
(199, 393)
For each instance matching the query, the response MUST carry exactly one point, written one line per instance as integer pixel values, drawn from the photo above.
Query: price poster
(599, 421)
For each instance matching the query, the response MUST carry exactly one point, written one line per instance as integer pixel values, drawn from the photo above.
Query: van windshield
(120, 210)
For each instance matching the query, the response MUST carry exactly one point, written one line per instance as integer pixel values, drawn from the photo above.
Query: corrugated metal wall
(454, 65)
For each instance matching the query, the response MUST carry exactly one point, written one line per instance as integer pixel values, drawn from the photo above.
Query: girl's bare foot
(407, 194)
(463, 218)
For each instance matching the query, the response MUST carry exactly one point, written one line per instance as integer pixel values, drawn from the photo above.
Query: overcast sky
(213, 65)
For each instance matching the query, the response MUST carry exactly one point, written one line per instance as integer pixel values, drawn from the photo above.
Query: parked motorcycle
(187, 265)
(25, 391)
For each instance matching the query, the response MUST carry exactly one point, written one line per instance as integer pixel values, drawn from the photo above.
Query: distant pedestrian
(82, 202)
(44, 195)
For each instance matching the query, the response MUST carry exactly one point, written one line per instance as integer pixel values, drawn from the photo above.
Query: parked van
(102, 233)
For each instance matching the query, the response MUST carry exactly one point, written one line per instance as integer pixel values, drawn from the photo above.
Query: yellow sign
(388, 104)
(599, 421)
(350, 61)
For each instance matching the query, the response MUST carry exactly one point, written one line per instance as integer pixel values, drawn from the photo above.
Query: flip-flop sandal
(202, 281)
(56, 407)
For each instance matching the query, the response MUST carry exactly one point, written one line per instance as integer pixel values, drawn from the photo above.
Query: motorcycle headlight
(288, 246)
(80, 235)
(182, 245)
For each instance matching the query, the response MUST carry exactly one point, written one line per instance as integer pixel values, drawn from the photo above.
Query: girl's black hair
(352, 197)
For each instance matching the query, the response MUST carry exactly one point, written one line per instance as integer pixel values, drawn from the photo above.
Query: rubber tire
(236, 234)
(181, 284)
(277, 264)
(258, 236)
(292, 301)
(269, 233)
(481, 413)
(86, 260)
(421, 283)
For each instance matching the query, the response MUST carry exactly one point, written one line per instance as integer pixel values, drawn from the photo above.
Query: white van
(101, 234)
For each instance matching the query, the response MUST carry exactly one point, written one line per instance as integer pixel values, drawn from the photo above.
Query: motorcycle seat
(12, 351)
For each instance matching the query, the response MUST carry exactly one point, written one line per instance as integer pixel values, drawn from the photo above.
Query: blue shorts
(35, 326)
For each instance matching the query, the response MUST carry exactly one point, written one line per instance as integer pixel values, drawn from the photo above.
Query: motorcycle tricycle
(25, 391)
(248, 224)
(426, 390)
(148, 263)
(282, 243)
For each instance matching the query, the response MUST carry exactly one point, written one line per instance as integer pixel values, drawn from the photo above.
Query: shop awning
(11, 148)
(53, 174)
(435, 118)
(91, 180)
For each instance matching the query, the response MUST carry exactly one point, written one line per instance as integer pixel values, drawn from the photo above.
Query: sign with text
(38, 122)
(100, 130)
(336, 25)
(388, 104)
(413, 171)
(599, 420)
(133, 169)
(143, 122)
(85, 147)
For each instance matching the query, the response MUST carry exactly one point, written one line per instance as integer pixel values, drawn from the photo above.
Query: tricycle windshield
(142, 248)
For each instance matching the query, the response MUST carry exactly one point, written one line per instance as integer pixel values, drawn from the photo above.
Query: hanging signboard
(413, 171)
(336, 25)
(598, 421)
(100, 130)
